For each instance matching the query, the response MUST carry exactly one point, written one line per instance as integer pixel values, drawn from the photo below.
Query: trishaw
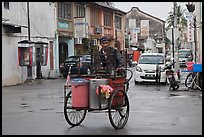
(85, 93)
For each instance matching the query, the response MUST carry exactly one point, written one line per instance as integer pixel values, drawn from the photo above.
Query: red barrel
(136, 55)
(80, 92)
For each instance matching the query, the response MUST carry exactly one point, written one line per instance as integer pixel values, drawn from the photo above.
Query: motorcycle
(173, 83)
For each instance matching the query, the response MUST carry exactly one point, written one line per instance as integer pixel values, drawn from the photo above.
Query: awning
(12, 28)
(65, 34)
(26, 42)
(13, 25)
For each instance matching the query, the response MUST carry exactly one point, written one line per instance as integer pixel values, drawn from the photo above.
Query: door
(38, 60)
(63, 50)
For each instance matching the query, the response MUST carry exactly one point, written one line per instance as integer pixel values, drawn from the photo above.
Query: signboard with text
(134, 36)
(132, 23)
(80, 29)
(190, 29)
(144, 27)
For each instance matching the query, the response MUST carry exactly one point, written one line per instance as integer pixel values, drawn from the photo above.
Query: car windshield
(183, 54)
(151, 59)
(87, 58)
(73, 58)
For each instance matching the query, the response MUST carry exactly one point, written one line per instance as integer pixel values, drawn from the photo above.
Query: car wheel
(136, 82)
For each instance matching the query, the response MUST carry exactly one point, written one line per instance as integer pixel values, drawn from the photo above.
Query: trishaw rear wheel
(118, 109)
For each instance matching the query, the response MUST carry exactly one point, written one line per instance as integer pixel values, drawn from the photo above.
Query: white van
(146, 67)
(185, 55)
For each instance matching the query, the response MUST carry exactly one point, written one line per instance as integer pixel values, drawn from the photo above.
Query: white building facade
(42, 21)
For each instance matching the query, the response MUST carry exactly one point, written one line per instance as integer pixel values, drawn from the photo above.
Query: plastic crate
(197, 67)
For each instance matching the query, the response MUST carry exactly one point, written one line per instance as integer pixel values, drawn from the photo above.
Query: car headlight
(138, 69)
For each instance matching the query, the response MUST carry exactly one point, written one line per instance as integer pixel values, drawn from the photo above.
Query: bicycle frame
(194, 80)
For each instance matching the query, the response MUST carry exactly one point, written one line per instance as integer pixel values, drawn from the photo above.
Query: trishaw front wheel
(118, 109)
(72, 115)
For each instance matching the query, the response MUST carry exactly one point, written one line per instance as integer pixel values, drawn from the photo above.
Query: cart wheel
(118, 109)
(72, 115)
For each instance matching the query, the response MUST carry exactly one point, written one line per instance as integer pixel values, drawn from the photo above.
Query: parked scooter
(173, 82)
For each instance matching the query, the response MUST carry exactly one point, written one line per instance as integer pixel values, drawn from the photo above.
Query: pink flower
(105, 89)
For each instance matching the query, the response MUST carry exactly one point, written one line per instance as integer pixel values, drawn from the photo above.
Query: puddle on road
(170, 95)
(46, 109)
(24, 105)
(177, 95)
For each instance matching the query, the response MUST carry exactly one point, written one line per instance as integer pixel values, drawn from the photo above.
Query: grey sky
(157, 9)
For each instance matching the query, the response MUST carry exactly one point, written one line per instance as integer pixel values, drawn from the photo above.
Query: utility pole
(29, 68)
(28, 21)
(177, 67)
(173, 45)
(195, 37)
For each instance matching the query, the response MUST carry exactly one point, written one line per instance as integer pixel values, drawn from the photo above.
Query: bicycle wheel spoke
(73, 116)
(191, 81)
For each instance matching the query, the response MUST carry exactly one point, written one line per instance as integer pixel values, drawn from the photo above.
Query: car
(86, 60)
(80, 65)
(185, 55)
(145, 70)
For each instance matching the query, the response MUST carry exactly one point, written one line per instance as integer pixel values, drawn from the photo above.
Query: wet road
(37, 109)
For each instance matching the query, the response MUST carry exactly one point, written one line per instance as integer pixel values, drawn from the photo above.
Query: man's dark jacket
(114, 58)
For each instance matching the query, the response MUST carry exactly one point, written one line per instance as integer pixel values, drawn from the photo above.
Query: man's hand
(120, 68)
(121, 71)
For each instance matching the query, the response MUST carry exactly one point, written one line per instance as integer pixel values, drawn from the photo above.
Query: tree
(181, 22)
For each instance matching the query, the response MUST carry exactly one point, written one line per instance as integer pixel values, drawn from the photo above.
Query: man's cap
(104, 39)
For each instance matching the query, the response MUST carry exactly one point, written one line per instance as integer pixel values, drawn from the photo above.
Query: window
(6, 5)
(80, 10)
(107, 19)
(118, 21)
(95, 17)
(64, 10)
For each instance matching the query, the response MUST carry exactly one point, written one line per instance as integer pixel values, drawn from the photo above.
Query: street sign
(136, 30)
(189, 16)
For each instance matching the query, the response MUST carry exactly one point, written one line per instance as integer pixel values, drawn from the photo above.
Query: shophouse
(27, 21)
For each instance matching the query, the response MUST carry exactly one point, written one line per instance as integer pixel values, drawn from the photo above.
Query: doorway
(63, 52)
(38, 62)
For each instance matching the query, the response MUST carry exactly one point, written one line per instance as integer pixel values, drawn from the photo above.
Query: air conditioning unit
(94, 42)
(78, 41)
(98, 30)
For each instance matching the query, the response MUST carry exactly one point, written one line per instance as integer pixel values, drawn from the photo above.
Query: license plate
(150, 76)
